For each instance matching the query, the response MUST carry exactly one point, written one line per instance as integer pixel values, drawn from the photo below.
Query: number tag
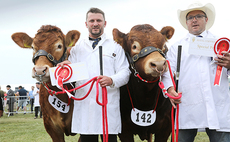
(143, 118)
(58, 104)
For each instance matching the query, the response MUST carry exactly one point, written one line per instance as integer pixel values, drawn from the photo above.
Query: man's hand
(173, 93)
(63, 63)
(223, 60)
(105, 81)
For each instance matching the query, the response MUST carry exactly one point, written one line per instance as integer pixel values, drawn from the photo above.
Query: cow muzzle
(158, 66)
(41, 73)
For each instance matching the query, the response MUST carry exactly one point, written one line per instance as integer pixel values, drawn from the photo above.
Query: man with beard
(87, 114)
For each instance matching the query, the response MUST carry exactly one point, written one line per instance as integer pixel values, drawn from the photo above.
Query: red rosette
(222, 44)
(63, 74)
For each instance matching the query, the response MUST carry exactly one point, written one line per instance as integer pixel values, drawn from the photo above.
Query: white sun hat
(208, 9)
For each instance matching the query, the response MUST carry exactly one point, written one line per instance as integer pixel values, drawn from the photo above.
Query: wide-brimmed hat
(208, 9)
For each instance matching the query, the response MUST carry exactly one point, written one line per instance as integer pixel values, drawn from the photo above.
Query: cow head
(50, 46)
(138, 43)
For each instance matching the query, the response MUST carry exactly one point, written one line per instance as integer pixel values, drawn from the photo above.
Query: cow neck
(141, 93)
(50, 89)
(49, 85)
(141, 81)
(147, 100)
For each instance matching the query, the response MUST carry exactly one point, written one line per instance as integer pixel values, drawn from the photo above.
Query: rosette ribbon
(222, 44)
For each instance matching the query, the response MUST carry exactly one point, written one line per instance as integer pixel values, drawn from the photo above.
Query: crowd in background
(11, 101)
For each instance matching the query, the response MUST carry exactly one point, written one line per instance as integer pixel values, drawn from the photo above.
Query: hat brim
(208, 9)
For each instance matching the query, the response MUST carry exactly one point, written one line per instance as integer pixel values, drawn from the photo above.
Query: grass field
(24, 128)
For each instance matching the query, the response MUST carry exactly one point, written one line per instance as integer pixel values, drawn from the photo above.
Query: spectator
(22, 100)
(31, 98)
(36, 101)
(10, 95)
(5, 101)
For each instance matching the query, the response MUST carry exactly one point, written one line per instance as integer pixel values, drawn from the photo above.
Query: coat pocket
(108, 61)
(191, 94)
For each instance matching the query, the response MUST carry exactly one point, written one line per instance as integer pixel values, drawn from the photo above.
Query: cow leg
(162, 136)
(150, 138)
(55, 134)
(79, 140)
(125, 137)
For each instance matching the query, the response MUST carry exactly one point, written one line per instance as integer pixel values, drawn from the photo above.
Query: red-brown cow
(50, 47)
(144, 46)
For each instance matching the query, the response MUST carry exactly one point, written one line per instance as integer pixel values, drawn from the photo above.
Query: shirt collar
(203, 34)
(103, 36)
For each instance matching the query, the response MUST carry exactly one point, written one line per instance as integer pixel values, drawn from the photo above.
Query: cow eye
(32, 47)
(59, 46)
(134, 47)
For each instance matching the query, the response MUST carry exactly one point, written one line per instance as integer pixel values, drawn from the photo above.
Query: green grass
(24, 128)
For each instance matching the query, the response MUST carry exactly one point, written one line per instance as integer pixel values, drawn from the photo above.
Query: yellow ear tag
(71, 44)
(27, 46)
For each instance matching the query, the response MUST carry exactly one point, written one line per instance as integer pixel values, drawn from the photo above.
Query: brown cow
(149, 64)
(49, 47)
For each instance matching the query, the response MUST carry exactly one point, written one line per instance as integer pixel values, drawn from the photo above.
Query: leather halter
(144, 52)
(49, 56)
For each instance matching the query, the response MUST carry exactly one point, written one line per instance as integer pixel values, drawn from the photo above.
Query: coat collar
(205, 34)
(89, 43)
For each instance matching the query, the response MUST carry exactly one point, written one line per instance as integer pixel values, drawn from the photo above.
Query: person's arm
(166, 77)
(105, 81)
(173, 93)
(122, 72)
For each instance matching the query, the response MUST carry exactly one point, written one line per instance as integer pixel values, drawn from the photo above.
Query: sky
(29, 15)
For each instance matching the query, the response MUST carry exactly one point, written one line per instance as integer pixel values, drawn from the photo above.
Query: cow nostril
(153, 65)
(45, 69)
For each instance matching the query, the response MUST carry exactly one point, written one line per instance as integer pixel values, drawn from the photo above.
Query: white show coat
(203, 105)
(36, 97)
(87, 114)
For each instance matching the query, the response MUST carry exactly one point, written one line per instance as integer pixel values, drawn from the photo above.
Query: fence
(12, 101)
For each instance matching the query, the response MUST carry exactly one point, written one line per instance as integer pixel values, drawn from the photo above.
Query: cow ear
(22, 40)
(165, 49)
(119, 37)
(71, 38)
(167, 32)
(68, 51)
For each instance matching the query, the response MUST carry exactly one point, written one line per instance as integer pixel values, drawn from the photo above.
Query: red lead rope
(104, 110)
(103, 104)
(161, 85)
